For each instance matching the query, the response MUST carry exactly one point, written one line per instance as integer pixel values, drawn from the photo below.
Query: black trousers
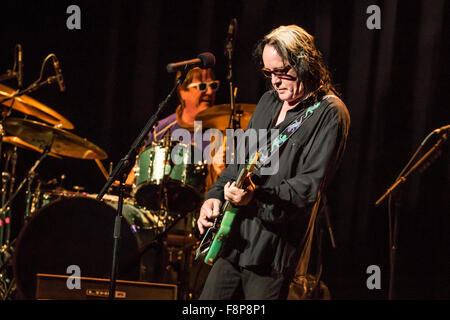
(227, 281)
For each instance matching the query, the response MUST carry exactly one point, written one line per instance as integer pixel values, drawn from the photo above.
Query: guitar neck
(242, 176)
(239, 182)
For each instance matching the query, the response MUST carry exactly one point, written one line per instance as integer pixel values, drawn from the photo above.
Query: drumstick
(102, 168)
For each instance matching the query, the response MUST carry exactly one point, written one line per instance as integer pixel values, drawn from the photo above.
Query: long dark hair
(296, 46)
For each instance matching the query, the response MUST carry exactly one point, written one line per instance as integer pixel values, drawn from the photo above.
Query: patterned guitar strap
(265, 155)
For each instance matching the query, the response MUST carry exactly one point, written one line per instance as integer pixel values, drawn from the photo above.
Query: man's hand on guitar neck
(208, 212)
(236, 196)
(210, 209)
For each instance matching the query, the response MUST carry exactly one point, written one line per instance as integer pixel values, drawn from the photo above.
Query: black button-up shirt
(268, 232)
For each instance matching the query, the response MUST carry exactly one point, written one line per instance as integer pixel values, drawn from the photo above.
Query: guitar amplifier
(55, 287)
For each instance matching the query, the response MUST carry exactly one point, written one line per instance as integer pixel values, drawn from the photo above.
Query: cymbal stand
(7, 249)
(7, 178)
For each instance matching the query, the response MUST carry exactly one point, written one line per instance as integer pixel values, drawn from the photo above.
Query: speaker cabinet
(56, 287)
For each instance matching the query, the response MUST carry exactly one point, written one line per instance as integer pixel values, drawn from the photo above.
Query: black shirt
(268, 232)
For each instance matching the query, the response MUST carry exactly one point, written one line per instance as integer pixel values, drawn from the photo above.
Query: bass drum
(73, 231)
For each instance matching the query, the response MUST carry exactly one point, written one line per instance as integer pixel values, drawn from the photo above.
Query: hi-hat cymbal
(16, 141)
(32, 107)
(61, 142)
(219, 116)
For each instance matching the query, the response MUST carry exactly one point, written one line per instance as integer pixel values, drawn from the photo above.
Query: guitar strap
(265, 153)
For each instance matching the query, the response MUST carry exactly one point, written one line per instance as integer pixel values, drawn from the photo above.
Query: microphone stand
(33, 87)
(8, 75)
(228, 54)
(389, 193)
(120, 173)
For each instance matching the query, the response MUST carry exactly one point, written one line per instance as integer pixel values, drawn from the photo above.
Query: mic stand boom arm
(403, 178)
(120, 173)
(31, 88)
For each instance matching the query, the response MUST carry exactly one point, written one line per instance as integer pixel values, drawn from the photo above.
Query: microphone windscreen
(208, 60)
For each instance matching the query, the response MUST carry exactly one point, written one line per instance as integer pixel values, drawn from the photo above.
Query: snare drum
(165, 177)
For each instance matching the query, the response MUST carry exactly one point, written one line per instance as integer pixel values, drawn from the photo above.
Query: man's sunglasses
(280, 73)
(202, 86)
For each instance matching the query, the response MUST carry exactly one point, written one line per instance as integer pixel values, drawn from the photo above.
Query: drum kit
(50, 136)
(70, 227)
(64, 227)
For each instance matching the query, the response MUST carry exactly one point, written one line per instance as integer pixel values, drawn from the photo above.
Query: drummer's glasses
(279, 73)
(202, 86)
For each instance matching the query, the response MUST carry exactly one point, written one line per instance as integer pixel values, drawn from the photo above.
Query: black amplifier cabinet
(55, 287)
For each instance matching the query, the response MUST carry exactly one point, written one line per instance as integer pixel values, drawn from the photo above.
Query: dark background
(395, 82)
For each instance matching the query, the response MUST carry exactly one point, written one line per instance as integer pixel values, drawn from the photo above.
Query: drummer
(196, 94)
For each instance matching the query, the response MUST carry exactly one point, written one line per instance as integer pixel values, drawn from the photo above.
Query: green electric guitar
(216, 235)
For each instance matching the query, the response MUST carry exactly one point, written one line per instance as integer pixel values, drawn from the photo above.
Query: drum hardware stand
(401, 179)
(36, 198)
(7, 285)
(30, 174)
(5, 215)
(120, 173)
(163, 186)
(158, 239)
(28, 194)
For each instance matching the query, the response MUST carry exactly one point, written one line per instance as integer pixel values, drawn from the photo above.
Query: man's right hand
(208, 212)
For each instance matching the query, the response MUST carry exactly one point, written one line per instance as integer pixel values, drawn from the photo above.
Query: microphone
(20, 66)
(204, 60)
(447, 127)
(58, 74)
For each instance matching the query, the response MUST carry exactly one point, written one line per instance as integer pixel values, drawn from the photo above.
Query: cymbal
(16, 141)
(62, 142)
(32, 107)
(219, 116)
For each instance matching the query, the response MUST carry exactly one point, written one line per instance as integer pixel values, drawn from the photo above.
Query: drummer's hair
(296, 46)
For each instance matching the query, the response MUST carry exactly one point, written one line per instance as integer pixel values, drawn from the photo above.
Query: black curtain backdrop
(395, 82)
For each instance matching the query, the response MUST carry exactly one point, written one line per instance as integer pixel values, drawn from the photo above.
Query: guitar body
(221, 234)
